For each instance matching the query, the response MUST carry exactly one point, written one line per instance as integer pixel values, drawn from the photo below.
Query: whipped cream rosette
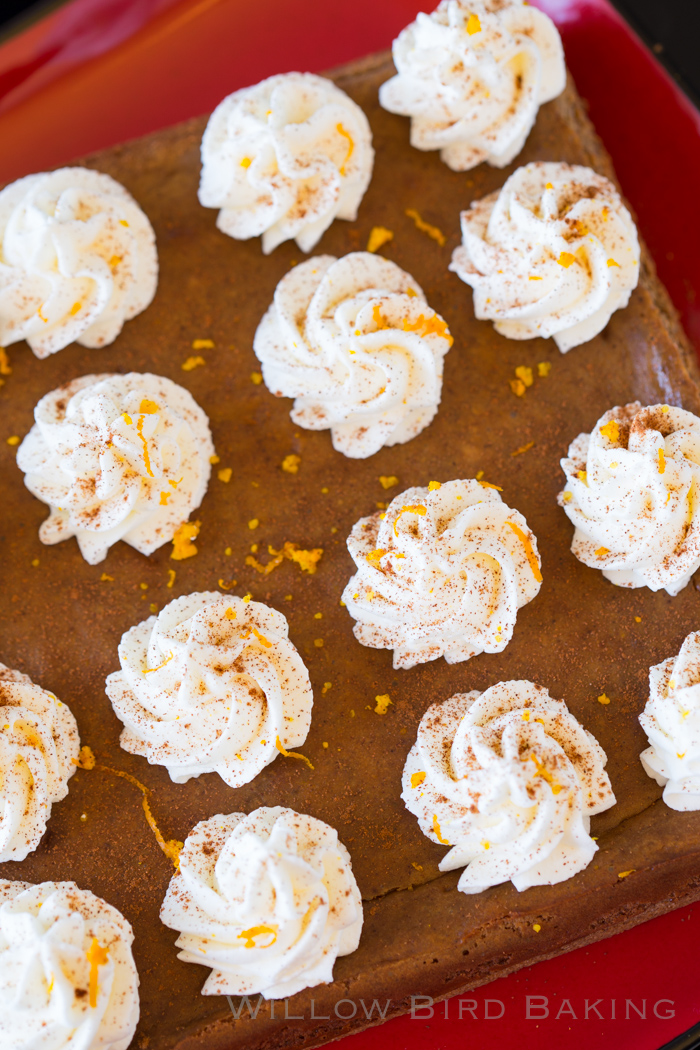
(117, 457)
(354, 341)
(211, 685)
(553, 253)
(442, 573)
(472, 75)
(39, 747)
(633, 495)
(67, 975)
(267, 900)
(671, 721)
(77, 259)
(510, 779)
(284, 159)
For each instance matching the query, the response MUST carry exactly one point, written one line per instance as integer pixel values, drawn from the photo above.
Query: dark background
(670, 27)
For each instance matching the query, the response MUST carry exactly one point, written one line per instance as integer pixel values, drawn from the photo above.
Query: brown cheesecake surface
(61, 619)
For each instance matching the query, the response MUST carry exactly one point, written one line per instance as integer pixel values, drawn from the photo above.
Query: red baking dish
(96, 72)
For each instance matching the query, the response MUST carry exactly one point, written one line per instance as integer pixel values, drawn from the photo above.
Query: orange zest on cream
(257, 931)
(351, 146)
(611, 430)
(541, 771)
(415, 508)
(97, 956)
(150, 670)
(566, 259)
(417, 779)
(146, 457)
(662, 461)
(438, 833)
(531, 557)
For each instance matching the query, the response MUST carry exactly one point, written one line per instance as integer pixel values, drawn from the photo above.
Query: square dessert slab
(60, 621)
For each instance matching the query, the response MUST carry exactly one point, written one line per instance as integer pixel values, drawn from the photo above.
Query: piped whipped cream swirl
(39, 746)
(211, 685)
(268, 901)
(77, 259)
(117, 457)
(633, 495)
(472, 76)
(284, 159)
(354, 341)
(671, 721)
(442, 573)
(553, 253)
(510, 779)
(67, 975)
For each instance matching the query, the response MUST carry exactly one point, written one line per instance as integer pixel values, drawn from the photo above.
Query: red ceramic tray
(97, 72)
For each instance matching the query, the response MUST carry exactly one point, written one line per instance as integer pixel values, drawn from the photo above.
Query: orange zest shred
(146, 457)
(662, 461)
(150, 670)
(601, 552)
(603, 699)
(183, 547)
(387, 481)
(417, 779)
(517, 386)
(473, 25)
(225, 474)
(434, 325)
(351, 145)
(545, 774)
(529, 551)
(415, 508)
(433, 486)
(611, 262)
(290, 463)
(624, 874)
(523, 448)
(566, 259)
(5, 366)
(307, 560)
(257, 931)
(488, 485)
(171, 848)
(230, 613)
(261, 638)
(171, 578)
(611, 430)
(378, 237)
(291, 754)
(544, 368)
(375, 556)
(77, 307)
(97, 956)
(246, 162)
(438, 833)
(425, 227)
(192, 362)
(203, 344)
(524, 374)
(148, 407)
(382, 704)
